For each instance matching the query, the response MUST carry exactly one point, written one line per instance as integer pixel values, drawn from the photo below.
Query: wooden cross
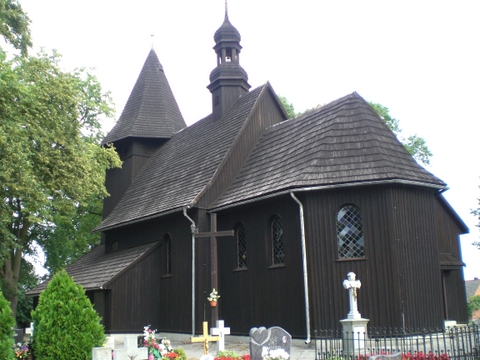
(213, 234)
(204, 338)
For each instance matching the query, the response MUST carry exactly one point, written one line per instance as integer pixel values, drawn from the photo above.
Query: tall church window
(241, 245)
(167, 243)
(350, 233)
(278, 246)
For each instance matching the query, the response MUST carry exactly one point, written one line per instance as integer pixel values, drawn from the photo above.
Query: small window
(350, 233)
(278, 246)
(241, 246)
(167, 243)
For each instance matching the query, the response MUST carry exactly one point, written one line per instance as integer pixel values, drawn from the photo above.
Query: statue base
(355, 336)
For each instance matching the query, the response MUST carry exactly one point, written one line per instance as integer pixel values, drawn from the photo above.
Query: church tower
(149, 119)
(228, 81)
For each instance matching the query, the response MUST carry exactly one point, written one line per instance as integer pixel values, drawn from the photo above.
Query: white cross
(221, 331)
(130, 350)
(352, 285)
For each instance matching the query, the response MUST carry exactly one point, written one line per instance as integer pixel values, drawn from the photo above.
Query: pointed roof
(183, 168)
(344, 143)
(151, 110)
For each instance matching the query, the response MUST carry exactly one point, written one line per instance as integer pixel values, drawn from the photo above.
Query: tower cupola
(228, 81)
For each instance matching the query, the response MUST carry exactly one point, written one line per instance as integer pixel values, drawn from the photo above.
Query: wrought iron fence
(462, 342)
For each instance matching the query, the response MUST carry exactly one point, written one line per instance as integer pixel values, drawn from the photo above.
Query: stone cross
(221, 331)
(130, 350)
(352, 285)
(204, 338)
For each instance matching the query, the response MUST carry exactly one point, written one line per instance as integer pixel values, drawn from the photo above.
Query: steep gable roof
(96, 269)
(181, 170)
(342, 143)
(151, 110)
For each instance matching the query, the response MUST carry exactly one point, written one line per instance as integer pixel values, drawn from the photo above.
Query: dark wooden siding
(266, 113)
(455, 297)
(378, 296)
(417, 257)
(134, 153)
(262, 294)
(145, 294)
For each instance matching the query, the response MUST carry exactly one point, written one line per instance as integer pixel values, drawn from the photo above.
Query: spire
(228, 81)
(151, 110)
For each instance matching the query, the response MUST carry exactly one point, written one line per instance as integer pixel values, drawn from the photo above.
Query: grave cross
(205, 338)
(213, 234)
(352, 285)
(221, 331)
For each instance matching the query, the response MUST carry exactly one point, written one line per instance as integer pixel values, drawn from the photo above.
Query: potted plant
(213, 298)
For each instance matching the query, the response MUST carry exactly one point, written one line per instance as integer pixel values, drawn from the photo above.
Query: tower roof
(151, 110)
(226, 32)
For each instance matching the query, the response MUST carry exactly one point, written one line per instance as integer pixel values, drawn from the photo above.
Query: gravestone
(102, 353)
(130, 350)
(273, 341)
(220, 331)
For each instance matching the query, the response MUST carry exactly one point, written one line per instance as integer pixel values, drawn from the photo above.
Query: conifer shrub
(65, 324)
(6, 329)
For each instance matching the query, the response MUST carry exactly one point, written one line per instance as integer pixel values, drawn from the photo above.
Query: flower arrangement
(22, 350)
(213, 295)
(276, 354)
(157, 350)
(231, 355)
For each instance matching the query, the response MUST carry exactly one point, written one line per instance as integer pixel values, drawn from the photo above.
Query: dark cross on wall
(213, 235)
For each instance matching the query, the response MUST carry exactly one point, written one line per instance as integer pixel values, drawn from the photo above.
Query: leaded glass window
(241, 246)
(350, 233)
(278, 248)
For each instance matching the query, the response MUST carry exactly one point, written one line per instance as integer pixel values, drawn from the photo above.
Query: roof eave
(325, 187)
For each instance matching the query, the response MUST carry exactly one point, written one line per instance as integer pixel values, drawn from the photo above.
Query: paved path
(299, 350)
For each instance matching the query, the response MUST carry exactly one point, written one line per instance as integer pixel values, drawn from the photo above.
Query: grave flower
(22, 350)
(157, 350)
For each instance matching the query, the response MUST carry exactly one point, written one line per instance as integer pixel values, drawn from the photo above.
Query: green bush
(65, 324)
(6, 329)
(473, 304)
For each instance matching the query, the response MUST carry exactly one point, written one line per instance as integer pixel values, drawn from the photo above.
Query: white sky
(421, 59)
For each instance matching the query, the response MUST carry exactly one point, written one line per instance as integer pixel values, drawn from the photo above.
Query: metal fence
(462, 342)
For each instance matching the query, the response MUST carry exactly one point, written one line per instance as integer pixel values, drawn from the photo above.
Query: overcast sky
(421, 59)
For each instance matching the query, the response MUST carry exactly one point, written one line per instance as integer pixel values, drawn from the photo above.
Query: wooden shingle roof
(96, 269)
(340, 144)
(183, 168)
(151, 110)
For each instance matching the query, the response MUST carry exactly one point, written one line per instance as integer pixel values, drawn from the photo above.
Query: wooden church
(272, 212)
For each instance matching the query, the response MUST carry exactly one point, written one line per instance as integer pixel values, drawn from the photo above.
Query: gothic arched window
(350, 233)
(278, 246)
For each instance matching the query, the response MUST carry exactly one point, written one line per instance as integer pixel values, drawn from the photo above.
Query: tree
(51, 165)
(288, 106)
(14, 25)
(65, 323)
(6, 329)
(414, 144)
(473, 304)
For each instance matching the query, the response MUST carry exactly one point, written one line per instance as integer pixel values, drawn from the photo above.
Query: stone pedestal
(354, 336)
